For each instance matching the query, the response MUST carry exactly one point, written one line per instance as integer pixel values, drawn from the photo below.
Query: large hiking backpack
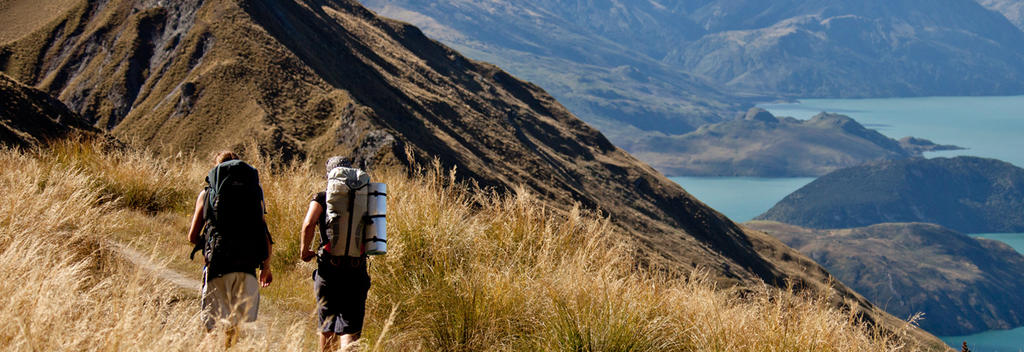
(235, 232)
(347, 192)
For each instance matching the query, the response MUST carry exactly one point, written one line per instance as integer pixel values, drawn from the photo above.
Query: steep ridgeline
(961, 284)
(760, 144)
(307, 79)
(828, 48)
(967, 194)
(30, 118)
(1012, 9)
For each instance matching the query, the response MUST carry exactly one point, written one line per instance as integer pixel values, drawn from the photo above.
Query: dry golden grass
(467, 270)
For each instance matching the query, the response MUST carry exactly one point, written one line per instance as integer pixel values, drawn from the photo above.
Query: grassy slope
(466, 270)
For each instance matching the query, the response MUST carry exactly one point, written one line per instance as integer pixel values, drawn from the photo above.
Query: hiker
(235, 242)
(341, 281)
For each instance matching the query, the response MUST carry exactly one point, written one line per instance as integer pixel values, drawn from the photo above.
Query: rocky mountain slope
(967, 194)
(963, 285)
(760, 144)
(307, 79)
(30, 118)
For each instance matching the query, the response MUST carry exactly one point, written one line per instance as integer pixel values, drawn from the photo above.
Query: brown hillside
(29, 117)
(314, 77)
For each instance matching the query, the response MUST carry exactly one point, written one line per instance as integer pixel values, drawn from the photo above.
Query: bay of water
(991, 127)
(741, 198)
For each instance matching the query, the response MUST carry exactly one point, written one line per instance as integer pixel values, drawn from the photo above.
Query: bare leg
(328, 342)
(348, 339)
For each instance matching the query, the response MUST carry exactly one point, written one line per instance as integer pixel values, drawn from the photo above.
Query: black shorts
(341, 296)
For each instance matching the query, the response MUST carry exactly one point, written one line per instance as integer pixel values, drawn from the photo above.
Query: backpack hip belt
(341, 261)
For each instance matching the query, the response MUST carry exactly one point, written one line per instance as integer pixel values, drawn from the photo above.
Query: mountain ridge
(31, 118)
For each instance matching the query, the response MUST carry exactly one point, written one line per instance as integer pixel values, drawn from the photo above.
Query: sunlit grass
(466, 270)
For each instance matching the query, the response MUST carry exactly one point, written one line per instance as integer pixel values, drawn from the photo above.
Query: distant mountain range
(760, 144)
(800, 48)
(648, 71)
(963, 285)
(967, 194)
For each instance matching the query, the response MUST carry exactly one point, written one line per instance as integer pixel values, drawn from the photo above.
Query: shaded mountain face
(968, 194)
(1012, 9)
(963, 285)
(309, 79)
(824, 48)
(760, 144)
(31, 118)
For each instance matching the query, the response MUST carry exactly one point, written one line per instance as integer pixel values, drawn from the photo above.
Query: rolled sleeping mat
(376, 229)
(376, 236)
(378, 199)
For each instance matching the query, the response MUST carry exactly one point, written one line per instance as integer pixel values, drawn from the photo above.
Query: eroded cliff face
(307, 79)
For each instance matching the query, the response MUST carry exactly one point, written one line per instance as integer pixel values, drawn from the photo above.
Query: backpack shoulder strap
(351, 216)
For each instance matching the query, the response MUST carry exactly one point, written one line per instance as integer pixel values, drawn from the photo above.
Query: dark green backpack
(235, 235)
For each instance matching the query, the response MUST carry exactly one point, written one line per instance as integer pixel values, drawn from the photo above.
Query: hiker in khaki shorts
(235, 243)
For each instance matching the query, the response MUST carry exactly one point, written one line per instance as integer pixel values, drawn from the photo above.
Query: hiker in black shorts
(341, 282)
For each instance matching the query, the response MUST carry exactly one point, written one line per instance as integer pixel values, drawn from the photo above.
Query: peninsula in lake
(967, 194)
(963, 285)
(761, 144)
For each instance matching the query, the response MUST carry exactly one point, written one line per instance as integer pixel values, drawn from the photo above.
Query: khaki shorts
(231, 299)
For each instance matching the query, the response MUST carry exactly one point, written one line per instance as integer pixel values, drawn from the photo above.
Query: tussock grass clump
(467, 270)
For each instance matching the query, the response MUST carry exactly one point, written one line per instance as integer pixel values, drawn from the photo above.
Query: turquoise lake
(991, 127)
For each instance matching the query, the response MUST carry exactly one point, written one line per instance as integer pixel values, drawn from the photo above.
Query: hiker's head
(224, 156)
(338, 161)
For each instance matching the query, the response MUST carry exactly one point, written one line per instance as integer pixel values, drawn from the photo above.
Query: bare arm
(265, 274)
(197, 218)
(308, 225)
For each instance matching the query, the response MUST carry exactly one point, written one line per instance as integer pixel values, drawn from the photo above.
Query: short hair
(225, 156)
(338, 161)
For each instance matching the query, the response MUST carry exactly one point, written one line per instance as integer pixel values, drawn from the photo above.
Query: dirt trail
(144, 263)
